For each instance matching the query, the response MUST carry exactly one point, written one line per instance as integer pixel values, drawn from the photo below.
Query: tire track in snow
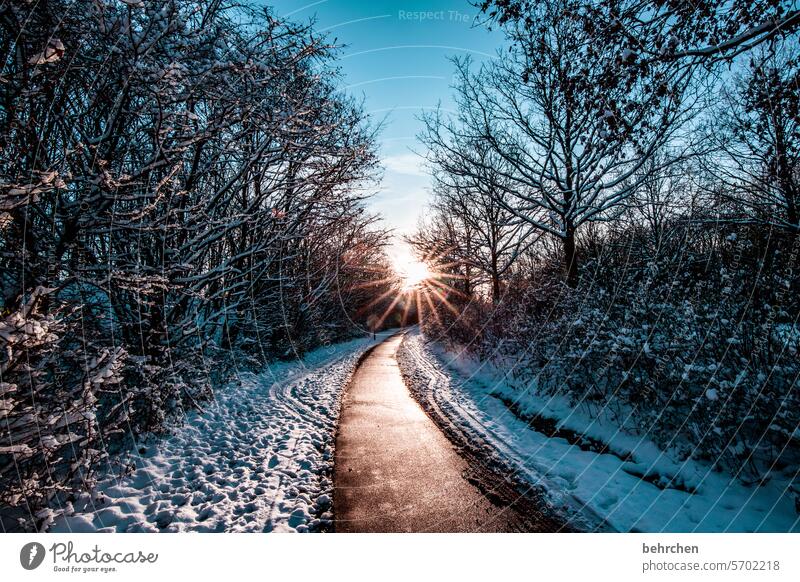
(466, 426)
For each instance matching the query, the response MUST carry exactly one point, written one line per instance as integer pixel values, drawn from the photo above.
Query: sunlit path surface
(394, 470)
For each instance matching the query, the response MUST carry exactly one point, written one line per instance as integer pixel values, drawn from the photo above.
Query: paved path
(394, 469)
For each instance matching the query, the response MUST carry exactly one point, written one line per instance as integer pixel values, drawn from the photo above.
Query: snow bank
(259, 458)
(624, 479)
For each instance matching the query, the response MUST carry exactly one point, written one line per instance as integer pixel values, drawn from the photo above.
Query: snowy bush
(52, 380)
(180, 196)
(675, 349)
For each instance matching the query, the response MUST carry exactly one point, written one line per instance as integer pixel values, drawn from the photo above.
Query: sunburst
(418, 284)
(412, 274)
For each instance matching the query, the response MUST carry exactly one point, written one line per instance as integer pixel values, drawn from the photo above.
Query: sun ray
(375, 283)
(431, 305)
(405, 312)
(448, 288)
(377, 300)
(388, 310)
(444, 301)
(447, 266)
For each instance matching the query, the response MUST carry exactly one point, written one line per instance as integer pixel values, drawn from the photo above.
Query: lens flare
(411, 272)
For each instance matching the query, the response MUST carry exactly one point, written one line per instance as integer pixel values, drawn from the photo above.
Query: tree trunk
(570, 257)
(467, 280)
(495, 281)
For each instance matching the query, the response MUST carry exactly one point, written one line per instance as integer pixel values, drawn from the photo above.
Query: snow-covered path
(259, 458)
(632, 486)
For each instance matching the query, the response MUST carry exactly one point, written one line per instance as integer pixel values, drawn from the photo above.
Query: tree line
(615, 212)
(181, 196)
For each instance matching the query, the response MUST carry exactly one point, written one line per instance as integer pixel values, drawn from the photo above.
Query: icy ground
(259, 458)
(633, 485)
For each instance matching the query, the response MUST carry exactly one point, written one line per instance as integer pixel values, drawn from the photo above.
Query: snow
(259, 458)
(52, 53)
(631, 486)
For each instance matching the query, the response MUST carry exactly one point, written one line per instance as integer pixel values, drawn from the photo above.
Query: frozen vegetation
(258, 459)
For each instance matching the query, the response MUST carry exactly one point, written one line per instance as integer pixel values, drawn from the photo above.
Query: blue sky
(396, 57)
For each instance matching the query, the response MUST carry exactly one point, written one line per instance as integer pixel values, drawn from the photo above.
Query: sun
(411, 271)
(417, 286)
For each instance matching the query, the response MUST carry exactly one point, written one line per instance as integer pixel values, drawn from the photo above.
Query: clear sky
(395, 55)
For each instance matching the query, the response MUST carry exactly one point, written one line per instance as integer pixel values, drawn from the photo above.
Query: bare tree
(179, 183)
(758, 135)
(643, 33)
(563, 165)
(478, 200)
(449, 241)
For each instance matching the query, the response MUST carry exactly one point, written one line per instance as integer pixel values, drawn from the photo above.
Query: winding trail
(395, 471)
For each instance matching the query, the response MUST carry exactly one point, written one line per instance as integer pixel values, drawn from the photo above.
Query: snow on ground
(634, 486)
(259, 458)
